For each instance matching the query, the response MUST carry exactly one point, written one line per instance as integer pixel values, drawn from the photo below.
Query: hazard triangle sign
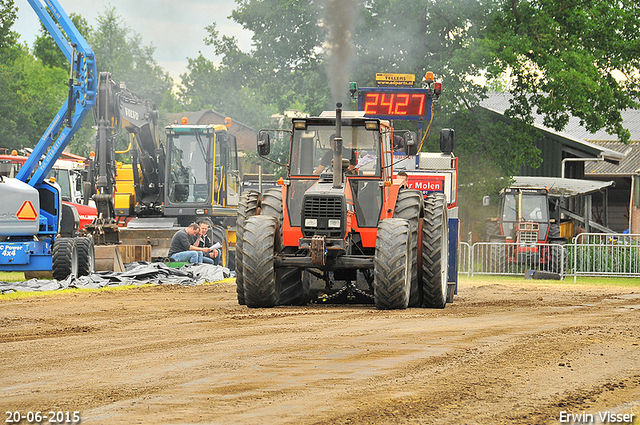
(27, 211)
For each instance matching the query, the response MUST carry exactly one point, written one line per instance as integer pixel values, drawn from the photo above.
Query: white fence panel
(606, 254)
(517, 259)
(464, 256)
(590, 254)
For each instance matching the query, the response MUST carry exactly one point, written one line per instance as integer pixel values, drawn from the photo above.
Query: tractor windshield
(534, 208)
(312, 151)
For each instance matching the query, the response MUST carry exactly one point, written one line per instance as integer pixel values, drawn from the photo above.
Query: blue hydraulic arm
(82, 92)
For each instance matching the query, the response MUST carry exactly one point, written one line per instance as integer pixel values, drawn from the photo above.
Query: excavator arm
(117, 109)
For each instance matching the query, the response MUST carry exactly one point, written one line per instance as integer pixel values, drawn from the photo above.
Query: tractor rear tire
(435, 251)
(409, 207)
(271, 204)
(64, 258)
(392, 264)
(247, 207)
(219, 234)
(86, 256)
(261, 288)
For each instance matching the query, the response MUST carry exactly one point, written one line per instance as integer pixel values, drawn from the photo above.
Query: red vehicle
(524, 232)
(345, 235)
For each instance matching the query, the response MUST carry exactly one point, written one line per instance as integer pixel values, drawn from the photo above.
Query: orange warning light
(27, 211)
(184, 121)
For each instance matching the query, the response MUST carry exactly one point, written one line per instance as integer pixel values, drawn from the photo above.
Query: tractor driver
(328, 156)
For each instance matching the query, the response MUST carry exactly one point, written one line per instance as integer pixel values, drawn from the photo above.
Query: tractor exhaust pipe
(337, 150)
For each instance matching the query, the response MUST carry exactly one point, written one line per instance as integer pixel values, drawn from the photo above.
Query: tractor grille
(322, 210)
(528, 233)
(323, 207)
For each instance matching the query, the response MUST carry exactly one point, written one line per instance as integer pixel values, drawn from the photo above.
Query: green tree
(30, 96)
(7, 19)
(46, 49)
(569, 57)
(120, 51)
(207, 87)
(286, 63)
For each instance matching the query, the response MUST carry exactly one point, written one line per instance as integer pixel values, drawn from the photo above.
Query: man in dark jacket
(182, 248)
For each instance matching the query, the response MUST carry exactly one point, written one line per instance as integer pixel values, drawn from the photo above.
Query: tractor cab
(525, 214)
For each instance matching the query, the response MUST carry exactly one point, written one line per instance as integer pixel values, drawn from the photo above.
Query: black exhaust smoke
(340, 16)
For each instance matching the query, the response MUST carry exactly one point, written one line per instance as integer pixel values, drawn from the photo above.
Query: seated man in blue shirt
(182, 248)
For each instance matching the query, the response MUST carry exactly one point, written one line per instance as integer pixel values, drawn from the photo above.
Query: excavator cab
(201, 169)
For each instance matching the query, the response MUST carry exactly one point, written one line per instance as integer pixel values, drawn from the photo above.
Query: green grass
(12, 277)
(627, 282)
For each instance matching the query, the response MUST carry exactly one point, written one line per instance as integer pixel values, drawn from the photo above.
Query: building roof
(573, 132)
(559, 187)
(629, 165)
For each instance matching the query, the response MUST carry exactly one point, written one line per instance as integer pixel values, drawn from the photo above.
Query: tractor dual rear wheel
(435, 251)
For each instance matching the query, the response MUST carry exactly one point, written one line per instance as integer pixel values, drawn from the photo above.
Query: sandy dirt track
(518, 353)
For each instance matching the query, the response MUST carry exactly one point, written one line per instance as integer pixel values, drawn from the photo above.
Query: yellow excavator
(193, 176)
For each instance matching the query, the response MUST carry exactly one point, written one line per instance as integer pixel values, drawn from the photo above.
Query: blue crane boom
(82, 92)
(35, 235)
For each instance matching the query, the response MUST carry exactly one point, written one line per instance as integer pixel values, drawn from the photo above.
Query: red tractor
(524, 233)
(338, 220)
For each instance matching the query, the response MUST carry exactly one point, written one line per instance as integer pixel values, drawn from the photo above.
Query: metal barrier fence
(590, 254)
(517, 259)
(606, 254)
(464, 258)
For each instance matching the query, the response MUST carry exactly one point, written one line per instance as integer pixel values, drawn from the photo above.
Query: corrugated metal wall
(551, 154)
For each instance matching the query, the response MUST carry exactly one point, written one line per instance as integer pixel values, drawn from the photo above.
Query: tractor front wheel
(392, 264)
(261, 288)
(409, 207)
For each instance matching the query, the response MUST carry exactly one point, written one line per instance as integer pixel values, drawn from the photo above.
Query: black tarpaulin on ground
(139, 273)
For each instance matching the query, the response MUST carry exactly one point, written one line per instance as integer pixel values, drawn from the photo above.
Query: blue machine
(31, 214)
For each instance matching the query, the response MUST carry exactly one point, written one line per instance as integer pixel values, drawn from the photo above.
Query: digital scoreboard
(395, 103)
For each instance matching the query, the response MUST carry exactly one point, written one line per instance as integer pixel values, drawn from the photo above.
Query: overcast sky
(174, 27)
